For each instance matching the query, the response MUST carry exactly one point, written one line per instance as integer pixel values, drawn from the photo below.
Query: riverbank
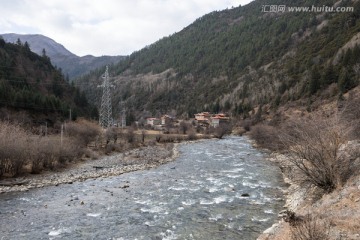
(132, 160)
(295, 197)
(333, 215)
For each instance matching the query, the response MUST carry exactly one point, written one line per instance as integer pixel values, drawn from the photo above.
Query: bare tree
(314, 148)
(184, 127)
(222, 129)
(143, 135)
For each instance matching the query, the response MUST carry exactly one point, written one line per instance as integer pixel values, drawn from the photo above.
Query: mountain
(71, 64)
(30, 83)
(238, 59)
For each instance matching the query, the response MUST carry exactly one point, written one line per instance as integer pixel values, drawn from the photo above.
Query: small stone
(82, 203)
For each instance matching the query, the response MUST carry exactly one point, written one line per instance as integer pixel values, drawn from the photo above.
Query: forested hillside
(29, 83)
(238, 59)
(72, 66)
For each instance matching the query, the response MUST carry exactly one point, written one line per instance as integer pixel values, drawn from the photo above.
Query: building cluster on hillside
(208, 119)
(204, 119)
(160, 122)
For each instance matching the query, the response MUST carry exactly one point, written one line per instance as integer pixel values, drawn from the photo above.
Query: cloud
(107, 27)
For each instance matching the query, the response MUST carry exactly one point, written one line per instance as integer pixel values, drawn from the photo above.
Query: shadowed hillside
(31, 84)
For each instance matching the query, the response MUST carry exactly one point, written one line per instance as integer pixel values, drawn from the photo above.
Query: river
(201, 195)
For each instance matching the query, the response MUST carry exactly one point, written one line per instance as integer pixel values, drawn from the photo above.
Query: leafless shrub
(219, 132)
(246, 124)
(83, 130)
(158, 138)
(151, 143)
(222, 130)
(184, 127)
(69, 150)
(109, 148)
(49, 152)
(167, 139)
(130, 135)
(199, 129)
(111, 134)
(266, 137)
(14, 148)
(310, 228)
(19, 148)
(88, 153)
(291, 218)
(45, 154)
(191, 135)
(313, 147)
(209, 130)
(143, 136)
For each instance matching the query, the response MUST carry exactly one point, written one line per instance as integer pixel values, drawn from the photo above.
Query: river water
(198, 196)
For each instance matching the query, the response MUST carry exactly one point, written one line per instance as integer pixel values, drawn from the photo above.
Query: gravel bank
(295, 198)
(132, 160)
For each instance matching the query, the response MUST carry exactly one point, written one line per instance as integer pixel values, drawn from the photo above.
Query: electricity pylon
(105, 119)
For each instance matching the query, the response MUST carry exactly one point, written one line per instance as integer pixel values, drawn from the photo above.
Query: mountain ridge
(71, 64)
(30, 84)
(238, 59)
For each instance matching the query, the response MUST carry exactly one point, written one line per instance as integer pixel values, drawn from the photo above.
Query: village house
(205, 118)
(218, 119)
(166, 120)
(153, 121)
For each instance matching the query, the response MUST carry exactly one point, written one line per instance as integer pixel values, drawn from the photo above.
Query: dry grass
(310, 228)
(22, 151)
(15, 146)
(83, 130)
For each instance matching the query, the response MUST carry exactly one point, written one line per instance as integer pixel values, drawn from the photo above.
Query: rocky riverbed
(216, 189)
(106, 166)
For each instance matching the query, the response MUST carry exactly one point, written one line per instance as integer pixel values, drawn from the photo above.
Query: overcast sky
(106, 27)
